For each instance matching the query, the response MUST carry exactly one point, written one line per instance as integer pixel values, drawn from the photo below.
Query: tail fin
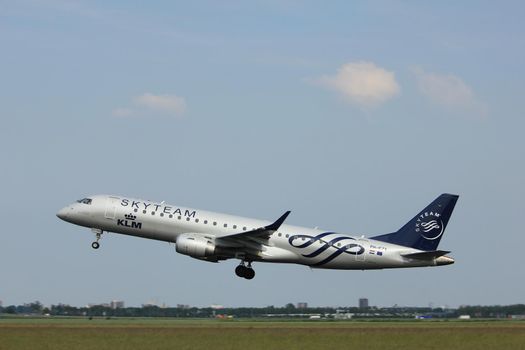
(425, 230)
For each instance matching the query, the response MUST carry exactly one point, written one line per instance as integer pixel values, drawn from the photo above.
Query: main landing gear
(245, 271)
(98, 234)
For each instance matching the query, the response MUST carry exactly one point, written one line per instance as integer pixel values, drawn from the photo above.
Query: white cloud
(165, 103)
(149, 104)
(122, 112)
(363, 83)
(447, 90)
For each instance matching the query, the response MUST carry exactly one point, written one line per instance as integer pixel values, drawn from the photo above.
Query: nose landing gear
(245, 271)
(98, 234)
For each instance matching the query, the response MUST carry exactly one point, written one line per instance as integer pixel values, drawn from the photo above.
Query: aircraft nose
(62, 213)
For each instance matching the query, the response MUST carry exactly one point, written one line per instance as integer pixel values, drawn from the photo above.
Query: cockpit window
(84, 201)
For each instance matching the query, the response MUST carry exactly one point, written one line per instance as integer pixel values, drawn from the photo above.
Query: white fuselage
(289, 244)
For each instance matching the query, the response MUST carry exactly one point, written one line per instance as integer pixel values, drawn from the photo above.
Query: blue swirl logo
(334, 246)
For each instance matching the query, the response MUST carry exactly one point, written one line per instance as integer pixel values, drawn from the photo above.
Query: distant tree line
(289, 310)
(492, 311)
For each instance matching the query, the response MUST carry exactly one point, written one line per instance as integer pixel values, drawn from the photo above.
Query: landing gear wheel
(245, 271)
(240, 270)
(98, 234)
(249, 273)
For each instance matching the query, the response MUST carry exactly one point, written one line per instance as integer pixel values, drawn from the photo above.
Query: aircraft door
(111, 207)
(365, 244)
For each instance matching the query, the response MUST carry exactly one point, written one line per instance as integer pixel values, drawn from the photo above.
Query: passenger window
(143, 212)
(244, 228)
(225, 225)
(171, 216)
(152, 213)
(187, 219)
(215, 223)
(135, 210)
(179, 217)
(279, 234)
(197, 220)
(234, 226)
(161, 214)
(205, 222)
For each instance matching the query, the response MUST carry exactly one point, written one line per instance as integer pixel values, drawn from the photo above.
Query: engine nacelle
(196, 246)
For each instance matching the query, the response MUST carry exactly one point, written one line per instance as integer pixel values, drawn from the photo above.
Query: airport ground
(115, 334)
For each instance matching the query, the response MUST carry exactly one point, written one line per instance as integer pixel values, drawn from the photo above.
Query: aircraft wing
(257, 235)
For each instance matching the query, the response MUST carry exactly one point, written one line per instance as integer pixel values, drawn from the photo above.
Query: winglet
(264, 231)
(275, 226)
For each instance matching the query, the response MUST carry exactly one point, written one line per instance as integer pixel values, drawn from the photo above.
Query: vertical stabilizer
(425, 230)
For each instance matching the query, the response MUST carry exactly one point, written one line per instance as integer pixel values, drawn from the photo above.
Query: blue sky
(354, 115)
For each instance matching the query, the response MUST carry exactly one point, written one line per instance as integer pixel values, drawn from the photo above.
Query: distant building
(363, 303)
(517, 317)
(117, 304)
(183, 306)
(342, 315)
(155, 303)
(302, 305)
(95, 305)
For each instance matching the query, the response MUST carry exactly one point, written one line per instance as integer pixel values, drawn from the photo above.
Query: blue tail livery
(425, 230)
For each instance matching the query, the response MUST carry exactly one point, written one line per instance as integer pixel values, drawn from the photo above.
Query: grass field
(127, 334)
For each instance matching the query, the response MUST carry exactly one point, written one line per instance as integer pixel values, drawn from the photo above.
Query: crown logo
(130, 216)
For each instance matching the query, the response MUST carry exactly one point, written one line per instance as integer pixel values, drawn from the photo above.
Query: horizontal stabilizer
(426, 255)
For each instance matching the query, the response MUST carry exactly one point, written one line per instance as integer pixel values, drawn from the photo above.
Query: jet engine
(197, 246)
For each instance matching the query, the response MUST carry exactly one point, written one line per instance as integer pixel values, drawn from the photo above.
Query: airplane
(213, 237)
